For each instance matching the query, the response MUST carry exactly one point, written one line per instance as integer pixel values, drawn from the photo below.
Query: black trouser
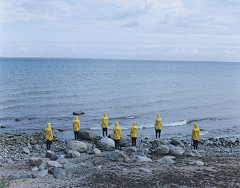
(48, 144)
(195, 144)
(158, 131)
(116, 144)
(134, 141)
(104, 130)
(76, 135)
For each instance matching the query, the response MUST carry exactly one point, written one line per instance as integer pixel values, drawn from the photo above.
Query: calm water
(39, 91)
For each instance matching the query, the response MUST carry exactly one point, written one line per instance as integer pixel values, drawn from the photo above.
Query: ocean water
(40, 90)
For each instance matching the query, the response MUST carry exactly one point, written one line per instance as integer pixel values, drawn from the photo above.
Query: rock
(43, 166)
(95, 151)
(145, 170)
(33, 142)
(70, 165)
(176, 150)
(60, 130)
(42, 173)
(54, 164)
(73, 154)
(38, 161)
(24, 150)
(20, 175)
(176, 142)
(78, 113)
(87, 135)
(118, 156)
(62, 160)
(77, 146)
(165, 160)
(198, 163)
(188, 153)
(59, 173)
(156, 143)
(35, 169)
(51, 155)
(125, 143)
(3, 126)
(18, 119)
(106, 144)
(143, 159)
(116, 168)
(162, 149)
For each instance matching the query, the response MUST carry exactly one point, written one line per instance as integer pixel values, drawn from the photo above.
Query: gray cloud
(131, 24)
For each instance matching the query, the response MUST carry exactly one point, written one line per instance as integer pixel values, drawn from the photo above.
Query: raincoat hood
(134, 123)
(104, 115)
(48, 126)
(158, 116)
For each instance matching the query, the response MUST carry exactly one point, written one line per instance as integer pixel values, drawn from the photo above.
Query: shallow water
(38, 91)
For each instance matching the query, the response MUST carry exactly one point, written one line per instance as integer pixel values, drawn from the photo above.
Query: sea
(38, 91)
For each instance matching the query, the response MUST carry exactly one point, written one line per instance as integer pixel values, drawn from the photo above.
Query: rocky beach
(93, 162)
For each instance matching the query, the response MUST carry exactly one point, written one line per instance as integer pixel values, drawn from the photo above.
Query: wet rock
(38, 161)
(73, 154)
(77, 146)
(60, 130)
(87, 135)
(162, 149)
(177, 142)
(106, 144)
(3, 126)
(125, 143)
(51, 155)
(20, 175)
(78, 113)
(59, 173)
(118, 156)
(165, 160)
(18, 119)
(176, 150)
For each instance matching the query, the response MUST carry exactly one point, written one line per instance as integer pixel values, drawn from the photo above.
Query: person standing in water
(104, 123)
(116, 135)
(158, 125)
(76, 128)
(195, 136)
(49, 135)
(134, 133)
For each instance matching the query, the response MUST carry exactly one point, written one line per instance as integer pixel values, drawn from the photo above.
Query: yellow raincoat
(104, 121)
(134, 130)
(116, 132)
(158, 122)
(195, 132)
(48, 132)
(76, 124)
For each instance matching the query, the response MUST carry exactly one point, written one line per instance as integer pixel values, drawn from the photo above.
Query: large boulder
(176, 150)
(73, 154)
(177, 142)
(95, 151)
(51, 155)
(36, 161)
(87, 135)
(106, 144)
(125, 143)
(59, 173)
(118, 156)
(156, 143)
(165, 160)
(77, 146)
(143, 159)
(162, 149)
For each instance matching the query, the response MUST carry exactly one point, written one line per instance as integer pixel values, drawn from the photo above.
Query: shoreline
(220, 158)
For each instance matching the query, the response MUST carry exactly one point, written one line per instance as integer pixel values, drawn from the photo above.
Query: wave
(123, 117)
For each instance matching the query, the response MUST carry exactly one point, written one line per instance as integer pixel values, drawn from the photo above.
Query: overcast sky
(121, 29)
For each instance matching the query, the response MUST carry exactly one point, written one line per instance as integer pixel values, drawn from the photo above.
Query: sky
(188, 30)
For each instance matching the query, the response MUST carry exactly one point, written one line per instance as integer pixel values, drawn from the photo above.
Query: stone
(73, 154)
(20, 175)
(35, 169)
(59, 173)
(95, 151)
(118, 156)
(162, 149)
(24, 150)
(54, 164)
(77, 146)
(198, 163)
(36, 161)
(145, 170)
(3, 126)
(87, 135)
(176, 150)
(78, 113)
(125, 143)
(51, 155)
(143, 159)
(106, 144)
(42, 173)
(177, 142)
(188, 153)
(18, 119)
(116, 168)
(69, 165)
(62, 160)
(165, 160)
(43, 166)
